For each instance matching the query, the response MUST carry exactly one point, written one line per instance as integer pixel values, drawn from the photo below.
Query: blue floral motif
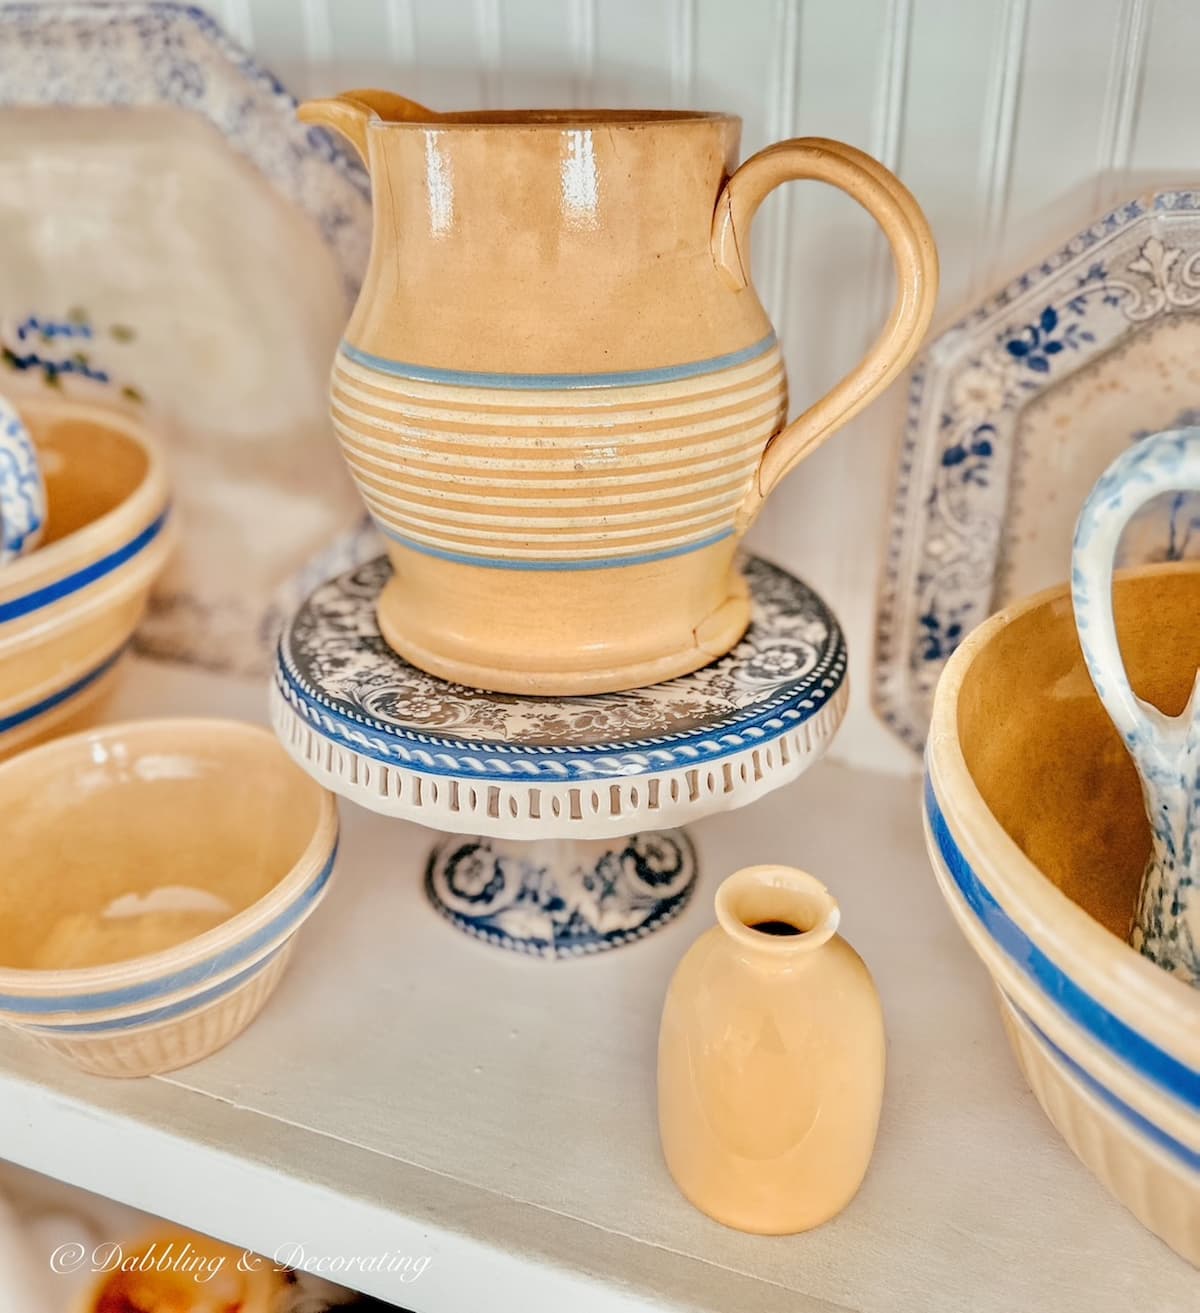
(776, 663)
(941, 634)
(53, 370)
(472, 877)
(1094, 278)
(57, 348)
(46, 330)
(1036, 344)
(971, 454)
(591, 897)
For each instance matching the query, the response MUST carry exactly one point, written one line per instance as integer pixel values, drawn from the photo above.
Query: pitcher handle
(22, 490)
(1165, 462)
(352, 112)
(893, 207)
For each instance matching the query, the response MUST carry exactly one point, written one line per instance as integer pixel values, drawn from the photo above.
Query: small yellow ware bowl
(153, 877)
(177, 1271)
(68, 609)
(1038, 837)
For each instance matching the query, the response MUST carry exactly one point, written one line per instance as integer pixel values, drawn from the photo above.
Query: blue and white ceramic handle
(1165, 749)
(22, 492)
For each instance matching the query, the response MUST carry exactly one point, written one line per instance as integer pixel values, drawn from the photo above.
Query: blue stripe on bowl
(146, 990)
(603, 563)
(1125, 1043)
(72, 583)
(193, 1003)
(26, 714)
(1189, 1157)
(550, 382)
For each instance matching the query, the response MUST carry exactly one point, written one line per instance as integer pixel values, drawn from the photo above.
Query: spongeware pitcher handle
(1165, 749)
(22, 492)
(352, 112)
(892, 206)
(1163, 463)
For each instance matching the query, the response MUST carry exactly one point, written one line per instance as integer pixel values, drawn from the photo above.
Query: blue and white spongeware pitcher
(22, 492)
(1165, 749)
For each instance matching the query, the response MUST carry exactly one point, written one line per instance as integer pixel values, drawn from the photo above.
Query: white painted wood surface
(410, 1090)
(1013, 121)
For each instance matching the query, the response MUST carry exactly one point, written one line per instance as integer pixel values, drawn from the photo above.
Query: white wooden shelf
(411, 1091)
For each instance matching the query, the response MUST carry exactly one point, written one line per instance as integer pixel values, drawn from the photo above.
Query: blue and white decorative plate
(561, 812)
(561, 899)
(402, 742)
(193, 261)
(1014, 413)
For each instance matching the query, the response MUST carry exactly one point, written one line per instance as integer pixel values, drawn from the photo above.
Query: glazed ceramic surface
(1039, 839)
(561, 811)
(770, 1058)
(69, 609)
(400, 741)
(1014, 412)
(152, 880)
(558, 392)
(1165, 749)
(22, 490)
(193, 263)
(561, 898)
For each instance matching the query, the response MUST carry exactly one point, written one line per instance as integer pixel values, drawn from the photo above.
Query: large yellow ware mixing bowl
(1038, 837)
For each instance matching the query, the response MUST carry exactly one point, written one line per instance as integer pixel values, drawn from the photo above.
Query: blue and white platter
(175, 243)
(570, 805)
(1014, 413)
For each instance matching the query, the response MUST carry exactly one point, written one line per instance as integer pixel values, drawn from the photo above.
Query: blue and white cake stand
(562, 814)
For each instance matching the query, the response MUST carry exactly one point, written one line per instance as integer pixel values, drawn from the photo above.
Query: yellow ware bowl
(177, 1271)
(1038, 838)
(68, 609)
(153, 877)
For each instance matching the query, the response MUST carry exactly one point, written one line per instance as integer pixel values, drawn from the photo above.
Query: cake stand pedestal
(563, 816)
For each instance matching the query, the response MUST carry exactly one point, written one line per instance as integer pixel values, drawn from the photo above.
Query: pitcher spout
(351, 113)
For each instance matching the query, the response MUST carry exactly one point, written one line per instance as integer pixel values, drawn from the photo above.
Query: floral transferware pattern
(786, 668)
(561, 899)
(1165, 749)
(68, 348)
(155, 54)
(959, 476)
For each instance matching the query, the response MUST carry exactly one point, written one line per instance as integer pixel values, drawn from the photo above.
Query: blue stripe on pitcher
(592, 563)
(550, 382)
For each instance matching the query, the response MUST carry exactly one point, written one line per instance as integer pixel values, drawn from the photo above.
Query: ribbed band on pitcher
(520, 477)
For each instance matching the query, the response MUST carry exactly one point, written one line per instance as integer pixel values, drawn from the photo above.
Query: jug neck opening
(777, 911)
(551, 119)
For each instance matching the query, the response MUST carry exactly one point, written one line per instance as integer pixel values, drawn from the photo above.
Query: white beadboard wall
(1011, 120)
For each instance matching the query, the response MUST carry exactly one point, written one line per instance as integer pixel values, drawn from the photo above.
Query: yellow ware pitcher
(558, 392)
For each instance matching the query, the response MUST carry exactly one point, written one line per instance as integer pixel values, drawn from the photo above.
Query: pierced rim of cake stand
(375, 730)
(562, 813)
